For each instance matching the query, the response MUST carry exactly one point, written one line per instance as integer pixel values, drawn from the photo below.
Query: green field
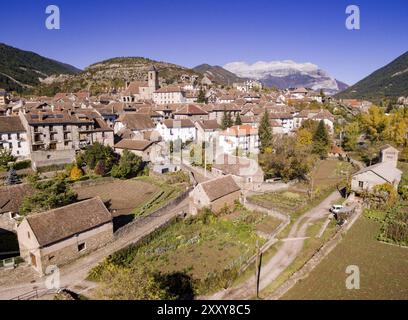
(383, 268)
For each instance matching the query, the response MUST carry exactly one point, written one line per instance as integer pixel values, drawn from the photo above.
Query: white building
(169, 95)
(207, 130)
(284, 119)
(316, 115)
(243, 138)
(13, 136)
(171, 130)
(384, 172)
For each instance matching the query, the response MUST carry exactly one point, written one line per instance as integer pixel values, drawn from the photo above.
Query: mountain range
(287, 74)
(28, 72)
(389, 81)
(20, 70)
(218, 74)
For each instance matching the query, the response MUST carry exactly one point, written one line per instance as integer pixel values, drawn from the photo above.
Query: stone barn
(214, 194)
(59, 236)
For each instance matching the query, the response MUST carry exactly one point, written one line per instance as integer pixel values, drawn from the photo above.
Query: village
(178, 173)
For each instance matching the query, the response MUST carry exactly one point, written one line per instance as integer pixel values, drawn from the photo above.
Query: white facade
(169, 96)
(17, 142)
(172, 130)
(244, 138)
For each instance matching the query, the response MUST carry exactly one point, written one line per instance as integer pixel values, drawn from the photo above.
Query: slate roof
(58, 224)
(129, 144)
(220, 187)
(385, 170)
(136, 121)
(11, 124)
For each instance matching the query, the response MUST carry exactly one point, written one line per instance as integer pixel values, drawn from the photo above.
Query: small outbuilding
(59, 236)
(214, 194)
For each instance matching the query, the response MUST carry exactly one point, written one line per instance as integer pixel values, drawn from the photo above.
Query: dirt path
(73, 276)
(286, 254)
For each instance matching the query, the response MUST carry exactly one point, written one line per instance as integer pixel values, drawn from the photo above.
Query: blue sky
(189, 32)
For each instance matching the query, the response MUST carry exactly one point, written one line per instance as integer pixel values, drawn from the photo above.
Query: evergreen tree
(265, 132)
(226, 121)
(201, 96)
(321, 141)
(238, 120)
(230, 122)
(12, 178)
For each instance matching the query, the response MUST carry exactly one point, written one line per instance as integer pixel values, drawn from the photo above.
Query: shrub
(130, 165)
(100, 168)
(75, 174)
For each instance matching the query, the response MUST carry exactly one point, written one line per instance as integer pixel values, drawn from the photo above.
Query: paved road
(286, 254)
(73, 275)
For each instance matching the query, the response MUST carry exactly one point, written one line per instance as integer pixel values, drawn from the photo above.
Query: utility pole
(257, 268)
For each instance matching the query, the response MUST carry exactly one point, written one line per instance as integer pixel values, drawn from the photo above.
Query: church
(142, 90)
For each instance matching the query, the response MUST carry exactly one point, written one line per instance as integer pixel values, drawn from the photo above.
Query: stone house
(135, 122)
(214, 194)
(192, 112)
(148, 150)
(55, 136)
(59, 236)
(246, 172)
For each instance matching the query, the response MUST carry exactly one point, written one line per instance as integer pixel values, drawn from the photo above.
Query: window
(28, 235)
(81, 246)
(19, 144)
(361, 184)
(9, 136)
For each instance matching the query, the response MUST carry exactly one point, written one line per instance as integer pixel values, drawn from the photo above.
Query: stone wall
(137, 222)
(67, 251)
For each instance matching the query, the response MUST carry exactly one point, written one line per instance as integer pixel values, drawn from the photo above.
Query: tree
(5, 158)
(12, 178)
(321, 141)
(76, 173)
(226, 121)
(130, 165)
(304, 138)
(351, 135)
(201, 96)
(92, 154)
(265, 132)
(287, 161)
(100, 168)
(238, 120)
(49, 195)
(374, 123)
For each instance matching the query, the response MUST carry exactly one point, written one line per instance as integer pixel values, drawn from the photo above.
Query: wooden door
(33, 260)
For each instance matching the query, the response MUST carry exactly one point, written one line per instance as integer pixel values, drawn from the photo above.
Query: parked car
(336, 208)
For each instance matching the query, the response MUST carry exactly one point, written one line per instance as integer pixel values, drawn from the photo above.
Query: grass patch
(383, 268)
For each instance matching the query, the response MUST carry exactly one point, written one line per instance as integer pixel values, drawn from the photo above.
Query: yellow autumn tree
(375, 123)
(304, 138)
(76, 173)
